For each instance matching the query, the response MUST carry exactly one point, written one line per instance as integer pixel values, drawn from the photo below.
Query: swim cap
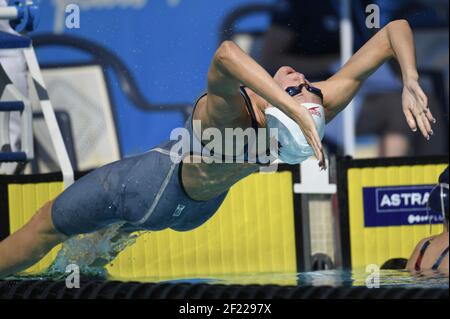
(438, 200)
(293, 147)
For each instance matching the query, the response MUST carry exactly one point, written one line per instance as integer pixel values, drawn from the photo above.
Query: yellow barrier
(253, 232)
(376, 245)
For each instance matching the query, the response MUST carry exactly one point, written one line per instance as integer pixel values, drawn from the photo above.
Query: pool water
(334, 278)
(93, 251)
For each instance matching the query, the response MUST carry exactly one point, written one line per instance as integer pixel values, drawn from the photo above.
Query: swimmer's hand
(415, 107)
(304, 119)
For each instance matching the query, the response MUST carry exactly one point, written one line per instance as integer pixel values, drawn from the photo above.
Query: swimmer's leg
(29, 244)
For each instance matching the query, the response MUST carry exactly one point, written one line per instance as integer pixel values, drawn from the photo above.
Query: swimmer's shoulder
(412, 260)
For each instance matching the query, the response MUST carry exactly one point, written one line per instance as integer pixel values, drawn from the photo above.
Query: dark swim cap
(438, 199)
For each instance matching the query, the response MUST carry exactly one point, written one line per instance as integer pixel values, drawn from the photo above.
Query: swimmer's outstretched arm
(232, 67)
(393, 41)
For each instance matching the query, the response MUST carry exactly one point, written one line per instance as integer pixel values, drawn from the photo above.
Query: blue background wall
(167, 48)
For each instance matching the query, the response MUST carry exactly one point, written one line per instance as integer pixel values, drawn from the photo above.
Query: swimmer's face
(287, 77)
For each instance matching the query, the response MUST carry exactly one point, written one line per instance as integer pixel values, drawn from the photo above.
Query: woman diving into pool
(154, 192)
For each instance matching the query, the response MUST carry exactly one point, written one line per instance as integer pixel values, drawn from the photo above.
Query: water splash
(92, 252)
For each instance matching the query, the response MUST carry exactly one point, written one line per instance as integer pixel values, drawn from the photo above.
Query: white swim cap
(293, 146)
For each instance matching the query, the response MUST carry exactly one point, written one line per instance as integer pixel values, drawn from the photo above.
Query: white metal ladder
(12, 100)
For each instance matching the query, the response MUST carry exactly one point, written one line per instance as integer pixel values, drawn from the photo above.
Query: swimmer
(431, 254)
(151, 192)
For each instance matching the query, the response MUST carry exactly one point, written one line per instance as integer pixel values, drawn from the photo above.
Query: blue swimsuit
(145, 192)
